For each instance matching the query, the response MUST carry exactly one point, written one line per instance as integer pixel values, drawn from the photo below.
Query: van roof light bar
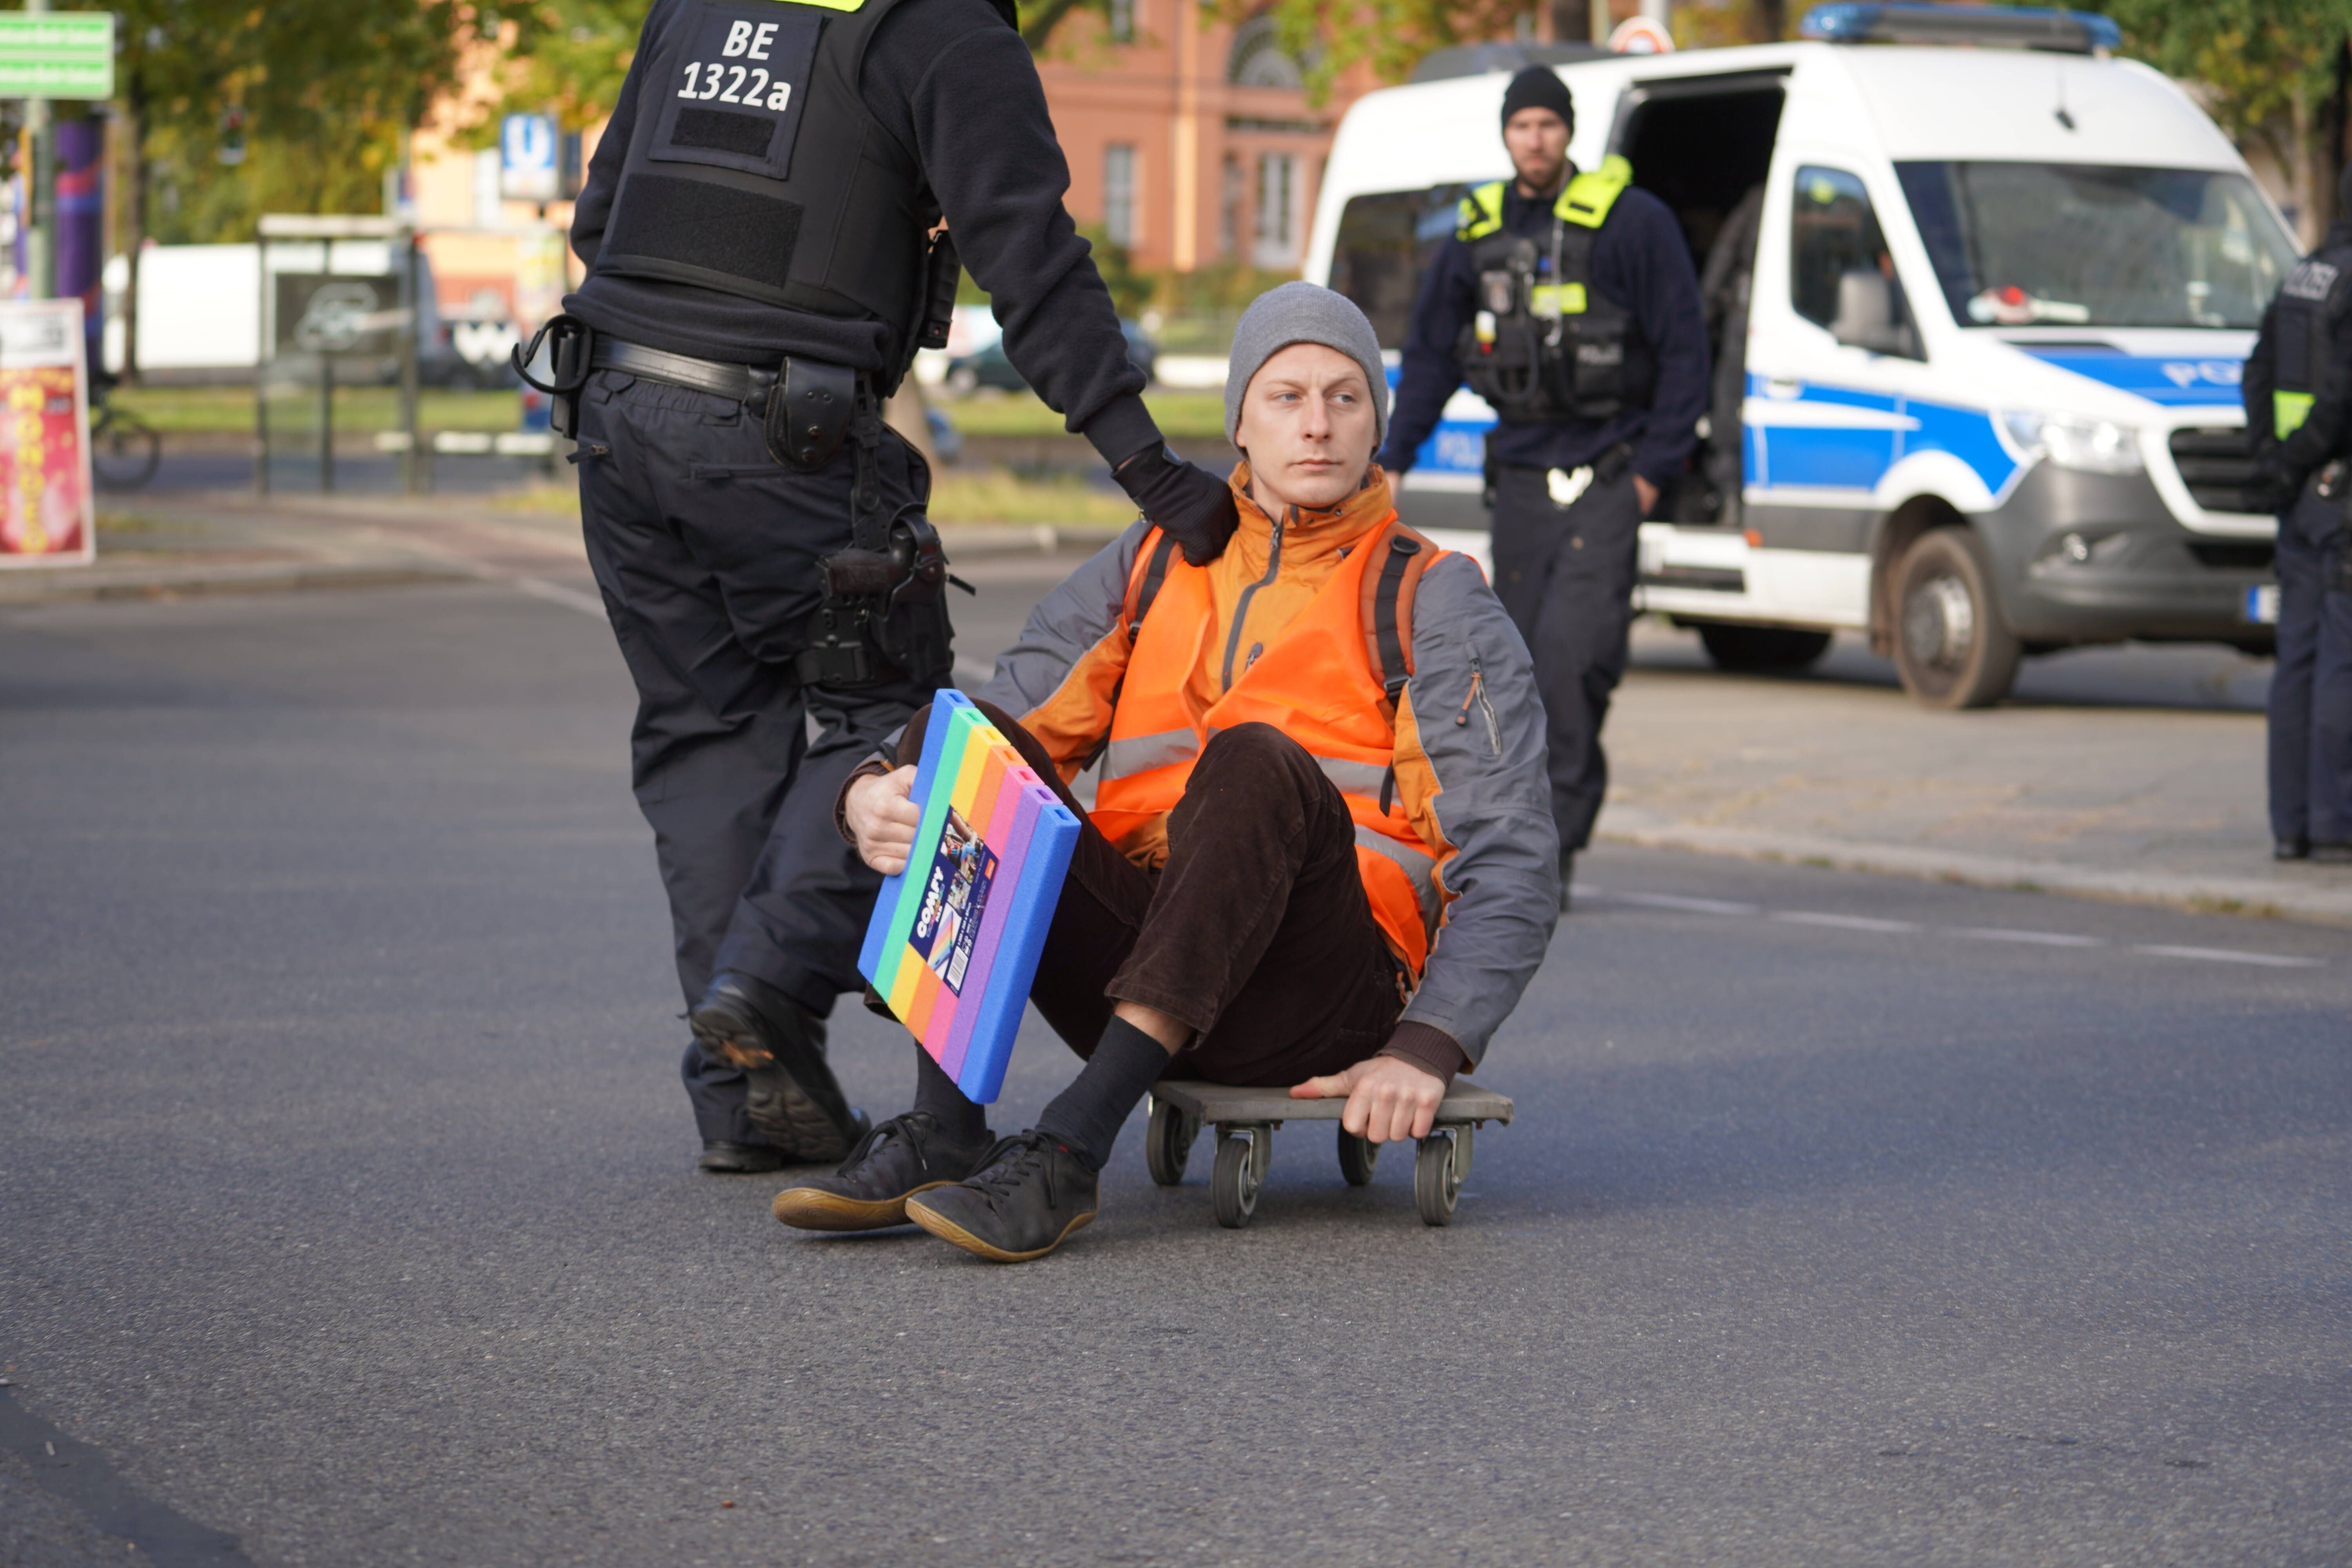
(2010, 27)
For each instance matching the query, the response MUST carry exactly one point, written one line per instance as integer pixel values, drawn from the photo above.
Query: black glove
(1193, 505)
(2267, 491)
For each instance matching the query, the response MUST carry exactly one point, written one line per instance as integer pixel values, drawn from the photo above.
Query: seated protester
(1322, 851)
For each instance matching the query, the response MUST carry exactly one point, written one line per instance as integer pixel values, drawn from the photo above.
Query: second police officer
(1566, 300)
(758, 229)
(2298, 395)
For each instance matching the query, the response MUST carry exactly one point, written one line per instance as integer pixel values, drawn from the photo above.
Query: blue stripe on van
(2175, 383)
(1828, 457)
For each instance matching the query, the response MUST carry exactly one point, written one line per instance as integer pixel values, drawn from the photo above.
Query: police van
(1978, 296)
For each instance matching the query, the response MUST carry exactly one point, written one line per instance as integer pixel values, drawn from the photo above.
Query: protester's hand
(1645, 492)
(1194, 507)
(1389, 1099)
(883, 819)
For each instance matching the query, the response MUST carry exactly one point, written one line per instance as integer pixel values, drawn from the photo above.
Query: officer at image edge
(757, 228)
(1568, 300)
(2298, 396)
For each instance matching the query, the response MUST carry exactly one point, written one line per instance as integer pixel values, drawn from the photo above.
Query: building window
(1258, 59)
(1277, 220)
(1118, 193)
(1122, 21)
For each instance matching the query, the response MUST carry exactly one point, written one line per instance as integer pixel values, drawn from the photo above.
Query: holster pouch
(569, 341)
(809, 413)
(885, 613)
(1612, 465)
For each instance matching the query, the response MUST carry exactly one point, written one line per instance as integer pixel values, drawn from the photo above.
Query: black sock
(1087, 1116)
(961, 1122)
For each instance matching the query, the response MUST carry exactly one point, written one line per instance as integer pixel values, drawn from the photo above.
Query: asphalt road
(347, 1208)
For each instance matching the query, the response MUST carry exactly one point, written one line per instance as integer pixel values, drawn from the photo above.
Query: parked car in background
(985, 363)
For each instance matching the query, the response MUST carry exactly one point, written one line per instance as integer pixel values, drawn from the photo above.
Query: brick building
(1191, 140)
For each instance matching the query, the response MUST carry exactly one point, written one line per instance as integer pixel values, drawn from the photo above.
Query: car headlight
(2095, 446)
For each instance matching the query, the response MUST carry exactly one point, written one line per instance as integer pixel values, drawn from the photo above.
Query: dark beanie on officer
(1539, 87)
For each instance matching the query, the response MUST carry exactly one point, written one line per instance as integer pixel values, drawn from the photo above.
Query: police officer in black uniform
(1568, 302)
(2298, 394)
(757, 225)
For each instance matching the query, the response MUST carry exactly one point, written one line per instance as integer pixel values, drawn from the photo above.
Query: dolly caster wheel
(1438, 1172)
(1242, 1156)
(1168, 1143)
(1357, 1158)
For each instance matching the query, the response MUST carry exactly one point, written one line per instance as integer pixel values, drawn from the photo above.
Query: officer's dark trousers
(2311, 689)
(706, 551)
(1566, 577)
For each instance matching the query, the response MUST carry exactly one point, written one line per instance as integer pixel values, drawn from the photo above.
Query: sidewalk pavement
(2135, 773)
(185, 543)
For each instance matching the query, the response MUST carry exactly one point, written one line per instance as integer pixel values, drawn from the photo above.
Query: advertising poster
(46, 514)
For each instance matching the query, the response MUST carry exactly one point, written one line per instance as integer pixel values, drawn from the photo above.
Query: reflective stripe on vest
(2288, 411)
(1317, 682)
(1585, 201)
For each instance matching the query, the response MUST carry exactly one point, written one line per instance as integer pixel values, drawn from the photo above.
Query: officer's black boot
(791, 1095)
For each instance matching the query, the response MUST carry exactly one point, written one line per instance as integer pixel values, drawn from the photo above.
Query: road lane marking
(2039, 938)
(1974, 933)
(1843, 922)
(2231, 955)
(557, 594)
(1671, 901)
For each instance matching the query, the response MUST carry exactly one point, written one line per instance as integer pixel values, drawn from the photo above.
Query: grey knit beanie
(1304, 313)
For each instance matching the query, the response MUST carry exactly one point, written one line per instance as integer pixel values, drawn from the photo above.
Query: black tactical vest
(1544, 346)
(2312, 306)
(755, 169)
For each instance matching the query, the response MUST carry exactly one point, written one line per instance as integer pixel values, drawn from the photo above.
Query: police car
(1979, 315)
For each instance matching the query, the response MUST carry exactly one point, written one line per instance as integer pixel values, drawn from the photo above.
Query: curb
(2321, 905)
(291, 577)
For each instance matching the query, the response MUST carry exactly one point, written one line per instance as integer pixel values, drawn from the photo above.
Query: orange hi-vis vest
(1330, 680)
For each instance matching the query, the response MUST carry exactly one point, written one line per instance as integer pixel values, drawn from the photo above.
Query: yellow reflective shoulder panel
(1589, 196)
(831, 5)
(1481, 213)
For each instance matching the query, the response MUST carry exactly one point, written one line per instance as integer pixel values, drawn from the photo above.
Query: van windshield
(2081, 245)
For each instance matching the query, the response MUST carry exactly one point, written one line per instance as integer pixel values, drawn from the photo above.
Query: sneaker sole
(814, 1208)
(948, 1230)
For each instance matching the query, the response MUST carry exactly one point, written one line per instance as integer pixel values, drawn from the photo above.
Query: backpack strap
(1144, 584)
(1386, 612)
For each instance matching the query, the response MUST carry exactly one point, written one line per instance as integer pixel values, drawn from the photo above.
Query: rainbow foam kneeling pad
(953, 944)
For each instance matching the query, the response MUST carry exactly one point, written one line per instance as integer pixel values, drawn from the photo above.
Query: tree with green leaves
(2267, 72)
(321, 97)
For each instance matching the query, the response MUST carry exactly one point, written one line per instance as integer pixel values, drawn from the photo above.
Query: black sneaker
(903, 1156)
(721, 1158)
(1027, 1195)
(2290, 850)
(2331, 854)
(792, 1096)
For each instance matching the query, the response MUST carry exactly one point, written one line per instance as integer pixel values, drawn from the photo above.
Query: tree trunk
(1769, 20)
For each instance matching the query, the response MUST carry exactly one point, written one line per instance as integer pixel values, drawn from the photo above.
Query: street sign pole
(38, 203)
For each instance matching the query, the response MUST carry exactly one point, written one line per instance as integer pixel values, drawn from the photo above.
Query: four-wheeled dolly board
(1245, 1120)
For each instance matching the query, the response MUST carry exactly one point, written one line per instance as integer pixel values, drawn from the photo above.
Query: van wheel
(1951, 647)
(1760, 647)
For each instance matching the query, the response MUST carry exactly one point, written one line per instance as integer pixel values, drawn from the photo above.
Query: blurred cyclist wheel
(125, 450)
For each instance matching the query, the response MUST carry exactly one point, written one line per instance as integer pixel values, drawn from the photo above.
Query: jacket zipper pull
(1477, 675)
